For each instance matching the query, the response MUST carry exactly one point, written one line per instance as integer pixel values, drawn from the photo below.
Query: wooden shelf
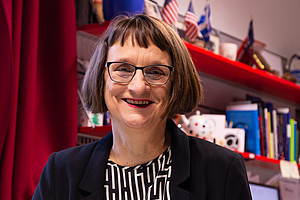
(242, 74)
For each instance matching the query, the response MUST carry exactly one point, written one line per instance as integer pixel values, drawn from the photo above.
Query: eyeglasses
(123, 72)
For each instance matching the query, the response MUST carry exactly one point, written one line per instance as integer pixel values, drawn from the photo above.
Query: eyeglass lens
(124, 72)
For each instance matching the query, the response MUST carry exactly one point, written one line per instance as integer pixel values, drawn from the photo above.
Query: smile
(138, 103)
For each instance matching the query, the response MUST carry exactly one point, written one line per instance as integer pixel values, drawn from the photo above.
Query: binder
(261, 121)
(246, 116)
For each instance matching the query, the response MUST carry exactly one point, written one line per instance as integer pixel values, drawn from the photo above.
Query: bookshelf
(233, 71)
(243, 75)
(251, 158)
(262, 161)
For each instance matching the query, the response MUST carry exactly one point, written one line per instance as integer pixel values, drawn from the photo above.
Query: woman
(142, 73)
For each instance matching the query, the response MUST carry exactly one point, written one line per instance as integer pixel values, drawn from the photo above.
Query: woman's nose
(138, 83)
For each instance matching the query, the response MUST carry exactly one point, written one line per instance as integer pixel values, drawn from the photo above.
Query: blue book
(246, 116)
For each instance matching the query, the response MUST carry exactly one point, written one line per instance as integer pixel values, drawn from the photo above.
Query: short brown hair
(186, 89)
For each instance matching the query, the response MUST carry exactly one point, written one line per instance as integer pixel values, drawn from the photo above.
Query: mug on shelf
(228, 50)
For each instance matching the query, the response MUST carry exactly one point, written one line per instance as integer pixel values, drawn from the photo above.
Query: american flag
(191, 31)
(170, 11)
(204, 23)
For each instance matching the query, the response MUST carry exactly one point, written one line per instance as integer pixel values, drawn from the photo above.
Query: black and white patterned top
(143, 182)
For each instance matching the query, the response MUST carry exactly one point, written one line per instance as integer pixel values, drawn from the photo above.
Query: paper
(289, 169)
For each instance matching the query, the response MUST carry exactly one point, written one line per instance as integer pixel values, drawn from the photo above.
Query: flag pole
(252, 46)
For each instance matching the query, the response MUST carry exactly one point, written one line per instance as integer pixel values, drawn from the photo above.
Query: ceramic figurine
(198, 126)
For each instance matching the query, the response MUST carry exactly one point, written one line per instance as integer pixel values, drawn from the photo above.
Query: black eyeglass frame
(140, 68)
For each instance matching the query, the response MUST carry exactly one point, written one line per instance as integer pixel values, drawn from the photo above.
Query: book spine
(267, 132)
(281, 136)
(292, 140)
(275, 131)
(295, 141)
(270, 135)
(298, 147)
(261, 135)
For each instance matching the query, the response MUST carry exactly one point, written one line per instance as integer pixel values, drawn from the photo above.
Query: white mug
(228, 50)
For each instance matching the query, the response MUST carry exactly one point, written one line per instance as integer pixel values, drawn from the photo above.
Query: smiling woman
(142, 73)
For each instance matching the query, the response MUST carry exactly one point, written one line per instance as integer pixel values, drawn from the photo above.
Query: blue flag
(250, 39)
(204, 23)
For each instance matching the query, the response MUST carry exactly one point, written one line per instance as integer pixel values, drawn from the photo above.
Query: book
(270, 122)
(292, 140)
(275, 130)
(284, 114)
(271, 138)
(267, 133)
(261, 121)
(297, 146)
(246, 116)
(295, 141)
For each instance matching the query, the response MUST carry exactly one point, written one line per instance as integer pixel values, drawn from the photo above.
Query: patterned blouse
(143, 182)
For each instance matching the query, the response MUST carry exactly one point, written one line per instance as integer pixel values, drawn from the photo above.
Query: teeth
(137, 102)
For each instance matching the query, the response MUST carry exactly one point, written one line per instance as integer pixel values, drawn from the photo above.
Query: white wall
(276, 22)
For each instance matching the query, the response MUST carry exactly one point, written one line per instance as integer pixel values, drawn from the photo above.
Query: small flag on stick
(191, 31)
(250, 38)
(204, 23)
(170, 12)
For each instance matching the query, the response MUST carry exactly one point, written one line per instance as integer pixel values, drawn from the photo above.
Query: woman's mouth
(140, 103)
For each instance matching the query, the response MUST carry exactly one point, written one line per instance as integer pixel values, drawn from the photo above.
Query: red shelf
(233, 71)
(262, 160)
(99, 131)
(242, 74)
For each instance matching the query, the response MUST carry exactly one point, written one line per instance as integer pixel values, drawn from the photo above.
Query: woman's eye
(155, 71)
(124, 68)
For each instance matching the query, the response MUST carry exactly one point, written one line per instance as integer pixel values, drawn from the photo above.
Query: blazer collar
(93, 178)
(94, 175)
(181, 162)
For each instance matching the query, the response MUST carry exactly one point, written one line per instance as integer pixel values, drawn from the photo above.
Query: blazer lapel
(181, 163)
(92, 183)
(94, 175)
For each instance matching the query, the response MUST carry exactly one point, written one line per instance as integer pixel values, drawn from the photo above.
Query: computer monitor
(263, 192)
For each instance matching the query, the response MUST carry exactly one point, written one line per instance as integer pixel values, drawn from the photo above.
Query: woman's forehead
(131, 52)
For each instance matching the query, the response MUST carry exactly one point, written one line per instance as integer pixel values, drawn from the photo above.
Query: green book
(292, 140)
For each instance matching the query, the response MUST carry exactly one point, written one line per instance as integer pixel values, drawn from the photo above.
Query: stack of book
(270, 131)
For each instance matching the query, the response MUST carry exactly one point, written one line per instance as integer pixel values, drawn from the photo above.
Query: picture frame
(152, 9)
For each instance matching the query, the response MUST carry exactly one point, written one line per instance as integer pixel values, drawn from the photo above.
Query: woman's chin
(137, 122)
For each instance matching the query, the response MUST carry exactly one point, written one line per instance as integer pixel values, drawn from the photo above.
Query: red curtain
(38, 82)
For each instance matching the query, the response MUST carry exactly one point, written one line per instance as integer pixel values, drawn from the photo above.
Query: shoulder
(75, 154)
(72, 160)
(199, 149)
(76, 158)
(210, 151)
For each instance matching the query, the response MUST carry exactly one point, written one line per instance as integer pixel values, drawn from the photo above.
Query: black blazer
(200, 170)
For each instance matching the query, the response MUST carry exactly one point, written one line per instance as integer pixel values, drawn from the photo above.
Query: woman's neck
(133, 147)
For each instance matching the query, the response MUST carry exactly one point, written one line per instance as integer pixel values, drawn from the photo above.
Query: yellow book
(270, 137)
